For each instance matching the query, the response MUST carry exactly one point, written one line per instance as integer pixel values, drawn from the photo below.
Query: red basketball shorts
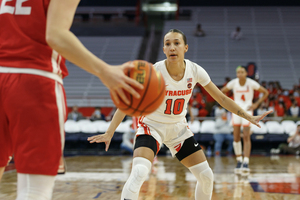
(32, 116)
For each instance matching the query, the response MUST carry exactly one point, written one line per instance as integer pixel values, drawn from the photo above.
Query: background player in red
(35, 39)
(168, 124)
(243, 91)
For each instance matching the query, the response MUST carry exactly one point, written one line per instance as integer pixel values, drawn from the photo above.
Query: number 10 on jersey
(177, 106)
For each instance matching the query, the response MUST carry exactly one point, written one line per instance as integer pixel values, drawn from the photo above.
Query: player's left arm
(231, 106)
(260, 100)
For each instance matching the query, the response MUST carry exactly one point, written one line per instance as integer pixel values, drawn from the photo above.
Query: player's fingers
(91, 139)
(127, 65)
(96, 139)
(258, 125)
(134, 83)
(107, 145)
(266, 113)
(122, 95)
(115, 96)
(131, 91)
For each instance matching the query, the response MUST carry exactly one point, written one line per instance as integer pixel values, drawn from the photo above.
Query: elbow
(222, 100)
(267, 93)
(52, 38)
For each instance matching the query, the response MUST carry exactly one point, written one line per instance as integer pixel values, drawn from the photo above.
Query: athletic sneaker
(62, 168)
(238, 168)
(245, 169)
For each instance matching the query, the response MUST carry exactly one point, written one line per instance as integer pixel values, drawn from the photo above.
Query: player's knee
(204, 176)
(35, 187)
(141, 168)
(207, 180)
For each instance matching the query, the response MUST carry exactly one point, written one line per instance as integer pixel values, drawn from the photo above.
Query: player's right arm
(106, 137)
(231, 106)
(59, 37)
(225, 89)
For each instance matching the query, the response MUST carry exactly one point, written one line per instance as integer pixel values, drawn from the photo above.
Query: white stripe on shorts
(14, 70)
(60, 101)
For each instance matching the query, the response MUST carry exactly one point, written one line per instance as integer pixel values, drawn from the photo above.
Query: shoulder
(233, 81)
(196, 69)
(192, 65)
(252, 82)
(159, 64)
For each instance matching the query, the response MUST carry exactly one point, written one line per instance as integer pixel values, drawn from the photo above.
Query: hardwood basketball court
(102, 177)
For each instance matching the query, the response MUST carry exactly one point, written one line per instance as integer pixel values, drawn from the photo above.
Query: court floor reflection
(102, 177)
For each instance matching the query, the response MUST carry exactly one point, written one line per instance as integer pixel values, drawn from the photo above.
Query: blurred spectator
(264, 84)
(75, 115)
(262, 109)
(209, 101)
(196, 106)
(272, 106)
(280, 109)
(293, 146)
(294, 110)
(97, 115)
(199, 31)
(295, 91)
(222, 131)
(127, 141)
(236, 34)
(111, 114)
(252, 71)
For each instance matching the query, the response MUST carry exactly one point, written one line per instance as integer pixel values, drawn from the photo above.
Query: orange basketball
(151, 96)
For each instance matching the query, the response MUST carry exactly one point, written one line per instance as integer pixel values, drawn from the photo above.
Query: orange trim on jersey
(158, 147)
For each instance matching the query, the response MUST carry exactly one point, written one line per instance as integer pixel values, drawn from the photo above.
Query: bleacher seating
(72, 127)
(261, 130)
(271, 133)
(274, 127)
(84, 89)
(269, 40)
(288, 126)
(195, 126)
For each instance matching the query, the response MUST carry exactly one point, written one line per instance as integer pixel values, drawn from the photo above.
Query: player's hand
(106, 138)
(115, 80)
(253, 106)
(255, 119)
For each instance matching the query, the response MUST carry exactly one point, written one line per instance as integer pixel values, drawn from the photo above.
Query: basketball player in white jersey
(168, 124)
(243, 91)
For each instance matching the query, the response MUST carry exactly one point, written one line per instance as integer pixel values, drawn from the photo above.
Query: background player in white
(168, 125)
(243, 91)
(35, 38)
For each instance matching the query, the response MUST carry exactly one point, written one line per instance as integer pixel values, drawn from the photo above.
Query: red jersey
(23, 37)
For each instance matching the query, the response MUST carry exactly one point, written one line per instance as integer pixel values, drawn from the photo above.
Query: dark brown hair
(178, 31)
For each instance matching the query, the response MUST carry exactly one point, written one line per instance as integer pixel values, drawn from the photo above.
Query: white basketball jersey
(243, 95)
(178, 93)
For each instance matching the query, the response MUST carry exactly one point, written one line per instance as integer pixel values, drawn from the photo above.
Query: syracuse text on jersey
(178, 92)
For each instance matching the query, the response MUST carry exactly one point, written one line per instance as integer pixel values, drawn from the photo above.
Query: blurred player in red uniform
(34, 40)
(243, 91)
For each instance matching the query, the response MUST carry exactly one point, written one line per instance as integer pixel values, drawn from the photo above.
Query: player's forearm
(116, 121)
(266, 94)
(69, 46)
(231, 106)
